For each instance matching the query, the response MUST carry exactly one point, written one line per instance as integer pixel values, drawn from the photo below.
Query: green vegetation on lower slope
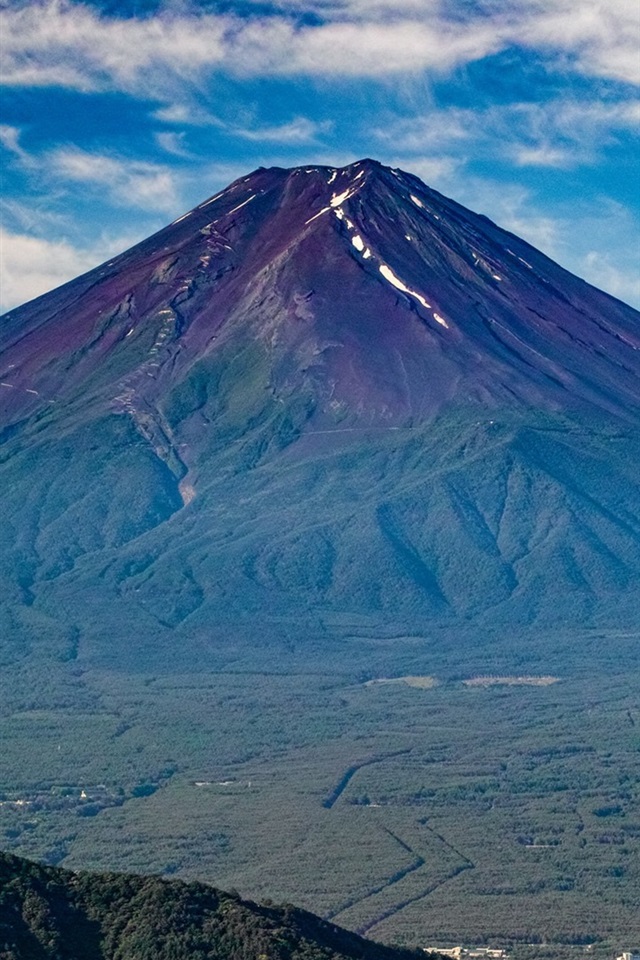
(506, 515)
(184, 679)
(52, 914)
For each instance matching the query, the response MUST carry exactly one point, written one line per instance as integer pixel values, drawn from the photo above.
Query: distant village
(471, 953)
(494, 953)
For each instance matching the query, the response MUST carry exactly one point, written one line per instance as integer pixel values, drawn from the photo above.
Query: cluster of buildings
(480, 953)
(493, 953)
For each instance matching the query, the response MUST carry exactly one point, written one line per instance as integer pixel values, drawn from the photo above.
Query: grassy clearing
(510, 681)
(420, 683)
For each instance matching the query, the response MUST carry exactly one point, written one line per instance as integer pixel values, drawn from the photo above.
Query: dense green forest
(52, 914)
(465, 811)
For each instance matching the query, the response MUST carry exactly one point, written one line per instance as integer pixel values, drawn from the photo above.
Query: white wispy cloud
(31, 214)
(56, 42)
(360, 9)
(563, 133)
(10, 140)
(127, 182)
(621, 282)
(31, 265)
(64, 43)
(181, 113)
(558, 133)
(438, 171)
(173, 142)
(300, 130)
(604, 249)
(601, 37)
(543, 155)
(367, 49)
(122, 181)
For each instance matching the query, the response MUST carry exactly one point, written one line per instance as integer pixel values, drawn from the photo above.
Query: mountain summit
(322, 391)
(371, 294)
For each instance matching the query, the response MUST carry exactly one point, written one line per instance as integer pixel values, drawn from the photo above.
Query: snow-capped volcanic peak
(376, 295)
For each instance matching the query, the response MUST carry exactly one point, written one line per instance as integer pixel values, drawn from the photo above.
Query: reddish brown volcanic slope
(378, 295)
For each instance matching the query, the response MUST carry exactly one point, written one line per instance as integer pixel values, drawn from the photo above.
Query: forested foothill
(52, 914)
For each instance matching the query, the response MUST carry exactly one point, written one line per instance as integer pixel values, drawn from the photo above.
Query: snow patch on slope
(316, 215)
(361, 247)
(389, 275)
(339, 198)
(183, 217)
(240, 205)
(213, 199)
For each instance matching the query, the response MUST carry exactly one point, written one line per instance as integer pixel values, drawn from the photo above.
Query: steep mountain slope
(51, 914)
(320, 392)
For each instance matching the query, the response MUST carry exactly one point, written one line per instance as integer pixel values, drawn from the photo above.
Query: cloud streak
(127, 183)
(556, 133)
(601, 37)
(57, 42)
(10, 140)
(298, 131)
(31, 266)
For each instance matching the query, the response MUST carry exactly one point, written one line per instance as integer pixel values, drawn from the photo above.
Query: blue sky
(119, 116)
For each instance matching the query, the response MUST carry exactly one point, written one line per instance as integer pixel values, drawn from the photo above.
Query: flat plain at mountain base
(442, 814)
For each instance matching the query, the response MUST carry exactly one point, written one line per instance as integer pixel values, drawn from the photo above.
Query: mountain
(319, 567)
(52, 914)
(322, 393)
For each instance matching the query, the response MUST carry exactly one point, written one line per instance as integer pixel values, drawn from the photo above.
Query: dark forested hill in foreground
(52, 914)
